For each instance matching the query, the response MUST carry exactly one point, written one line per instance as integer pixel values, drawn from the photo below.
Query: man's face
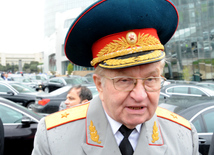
(73, 98)
(134, 107)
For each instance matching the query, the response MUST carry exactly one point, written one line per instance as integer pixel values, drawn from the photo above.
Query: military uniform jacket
(85, 130)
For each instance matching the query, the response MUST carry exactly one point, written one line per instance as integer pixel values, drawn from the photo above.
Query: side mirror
(10, 93)
(26, 121)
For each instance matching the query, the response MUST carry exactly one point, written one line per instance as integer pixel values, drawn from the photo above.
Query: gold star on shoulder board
(64, 115)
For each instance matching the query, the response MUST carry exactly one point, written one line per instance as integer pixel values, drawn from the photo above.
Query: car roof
(204, 88)
(194, 109)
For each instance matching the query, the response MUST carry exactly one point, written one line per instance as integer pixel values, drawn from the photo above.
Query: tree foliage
(32, 67)
(70, 68)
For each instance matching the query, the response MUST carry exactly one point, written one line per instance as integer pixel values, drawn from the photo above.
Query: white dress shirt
(133, 137)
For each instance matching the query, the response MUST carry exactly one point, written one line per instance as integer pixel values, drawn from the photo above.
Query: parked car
(20, 125)
(40, 80)
(23, 79)
(189, 90)
(18, 93)
(201, 115)
(184, 93)
(89, 77)
(49, 103)
(58, 82)
(209, 85)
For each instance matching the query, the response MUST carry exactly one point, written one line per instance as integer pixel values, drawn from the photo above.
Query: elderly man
(123, 40)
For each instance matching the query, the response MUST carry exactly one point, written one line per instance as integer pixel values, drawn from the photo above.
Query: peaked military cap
(121, 33)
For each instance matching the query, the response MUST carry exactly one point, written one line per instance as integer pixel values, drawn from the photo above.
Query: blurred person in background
(6, 78)
(1, 138)
(76, 95)
(3, 75)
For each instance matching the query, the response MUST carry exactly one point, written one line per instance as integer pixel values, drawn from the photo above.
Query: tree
(70, 68)
(186, 74)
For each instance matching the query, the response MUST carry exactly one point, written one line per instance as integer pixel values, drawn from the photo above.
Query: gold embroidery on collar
(155, 133)
(93, 133)
(120, 47)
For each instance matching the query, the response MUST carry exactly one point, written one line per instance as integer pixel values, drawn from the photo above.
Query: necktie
(125, 145)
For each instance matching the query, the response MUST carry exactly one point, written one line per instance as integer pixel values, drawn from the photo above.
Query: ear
(84, 101)
(98, 83)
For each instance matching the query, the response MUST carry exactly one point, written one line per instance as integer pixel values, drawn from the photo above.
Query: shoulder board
(164, 113)
(67, 115)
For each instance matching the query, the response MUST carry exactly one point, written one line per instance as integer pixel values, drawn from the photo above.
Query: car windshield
(21, 88)
(21, 79)
(73, 81)
(37, 77)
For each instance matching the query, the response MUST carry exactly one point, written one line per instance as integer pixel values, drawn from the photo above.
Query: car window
(178, 90)
(9, 115)
(198, 126)
(54, 80)
(195, 91)
(4, 88)
(73, 81)
(60, 81)
(209, 119)
(22, 88)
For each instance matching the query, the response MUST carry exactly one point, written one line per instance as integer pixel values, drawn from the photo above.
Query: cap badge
(155, 133)
(93, 133)
(131, 38)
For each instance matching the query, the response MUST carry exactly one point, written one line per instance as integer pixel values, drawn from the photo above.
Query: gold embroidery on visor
(151, 57)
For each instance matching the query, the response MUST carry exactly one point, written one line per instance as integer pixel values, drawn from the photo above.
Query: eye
(123, 80)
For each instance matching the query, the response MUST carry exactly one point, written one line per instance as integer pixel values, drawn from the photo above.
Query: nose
(66, 102)
(138, 93)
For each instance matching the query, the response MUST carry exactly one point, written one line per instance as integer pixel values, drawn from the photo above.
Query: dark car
(201, 115)
(39, 80)
(20, 125)
(18, 93)
(58, 82)
(49, 103)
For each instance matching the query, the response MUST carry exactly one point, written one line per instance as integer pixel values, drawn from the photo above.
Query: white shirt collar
(116, 125)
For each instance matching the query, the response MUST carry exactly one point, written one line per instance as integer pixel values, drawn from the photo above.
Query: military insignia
(155, 133)
(166, 114)
(131, 44)
(131, 38)
(64, 115)
(93, 133)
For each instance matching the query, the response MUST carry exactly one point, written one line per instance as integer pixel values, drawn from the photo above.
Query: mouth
(135, 108)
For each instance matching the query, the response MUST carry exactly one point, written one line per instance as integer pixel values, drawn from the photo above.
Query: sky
(21, 26)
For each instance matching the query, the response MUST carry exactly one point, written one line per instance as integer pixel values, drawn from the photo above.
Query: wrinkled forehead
(155, 69)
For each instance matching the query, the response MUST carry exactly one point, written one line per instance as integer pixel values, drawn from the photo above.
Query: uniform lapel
(151, 140)
(99, 137)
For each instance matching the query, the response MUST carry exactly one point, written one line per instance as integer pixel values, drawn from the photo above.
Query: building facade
(58, 16)
(190, 53)
(15, 59)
